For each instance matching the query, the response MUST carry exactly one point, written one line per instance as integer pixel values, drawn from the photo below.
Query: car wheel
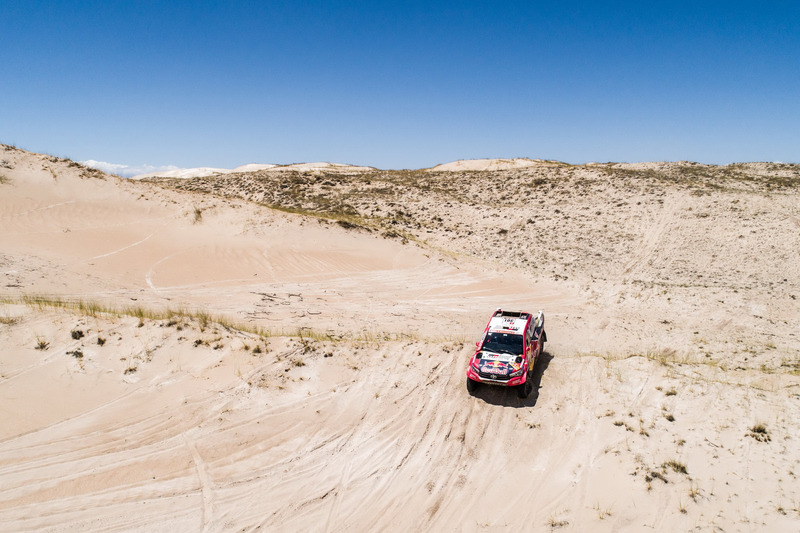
(472, 386)
(524, 390)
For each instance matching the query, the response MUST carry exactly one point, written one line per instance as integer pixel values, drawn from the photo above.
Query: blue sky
(400, 84)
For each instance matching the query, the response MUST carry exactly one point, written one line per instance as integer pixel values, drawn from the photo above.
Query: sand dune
(202, 172)
(184, 173)
(665, 401)
(322, 167)
(455, 166)
(486, 164)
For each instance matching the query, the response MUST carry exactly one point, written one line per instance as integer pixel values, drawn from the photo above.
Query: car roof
(508, 322)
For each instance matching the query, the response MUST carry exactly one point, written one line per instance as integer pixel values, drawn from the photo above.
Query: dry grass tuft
(676, 466)
(203, 319)
(759, 432)
(9, 320)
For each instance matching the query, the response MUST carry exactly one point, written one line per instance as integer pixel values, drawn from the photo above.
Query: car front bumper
(474, 376)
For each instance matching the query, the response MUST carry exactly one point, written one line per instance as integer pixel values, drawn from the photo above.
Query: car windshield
(503, 343)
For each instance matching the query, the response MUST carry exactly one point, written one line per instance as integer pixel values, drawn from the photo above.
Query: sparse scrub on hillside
(344, 217)
(57, 159)
(399, 204)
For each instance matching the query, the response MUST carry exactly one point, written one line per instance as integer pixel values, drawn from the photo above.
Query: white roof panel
(508, 324)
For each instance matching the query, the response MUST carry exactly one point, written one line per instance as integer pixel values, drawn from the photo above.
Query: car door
(529, 353)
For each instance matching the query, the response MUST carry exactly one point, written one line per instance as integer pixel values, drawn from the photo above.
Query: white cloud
(126, 171)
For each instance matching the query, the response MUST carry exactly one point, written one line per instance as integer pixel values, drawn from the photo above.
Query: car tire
(524, 390)
(472, 386)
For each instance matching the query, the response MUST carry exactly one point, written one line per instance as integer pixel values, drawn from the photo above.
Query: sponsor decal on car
(490, 356)
(499, 368)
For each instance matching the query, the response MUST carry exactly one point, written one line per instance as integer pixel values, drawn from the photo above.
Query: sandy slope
(179, 424)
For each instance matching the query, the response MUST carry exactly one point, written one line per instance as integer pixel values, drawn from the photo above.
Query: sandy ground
(667, 398)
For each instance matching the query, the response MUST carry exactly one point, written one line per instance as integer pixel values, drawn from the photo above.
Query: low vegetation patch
(676, 466)
(173, 316)
(203, 319)
(759, 432)
(9, 320)
(655, 474)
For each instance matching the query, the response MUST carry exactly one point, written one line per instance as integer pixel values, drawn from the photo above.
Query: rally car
(507, 352)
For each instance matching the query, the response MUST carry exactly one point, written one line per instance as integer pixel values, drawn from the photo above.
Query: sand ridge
(202, 172)
(481, 165)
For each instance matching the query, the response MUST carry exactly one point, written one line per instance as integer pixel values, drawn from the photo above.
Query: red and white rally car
(507, 352)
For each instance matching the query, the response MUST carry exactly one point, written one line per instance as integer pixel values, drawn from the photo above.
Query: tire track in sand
(653, 236)
(205, 485)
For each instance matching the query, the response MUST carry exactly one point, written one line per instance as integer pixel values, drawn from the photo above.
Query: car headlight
(517, 372)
